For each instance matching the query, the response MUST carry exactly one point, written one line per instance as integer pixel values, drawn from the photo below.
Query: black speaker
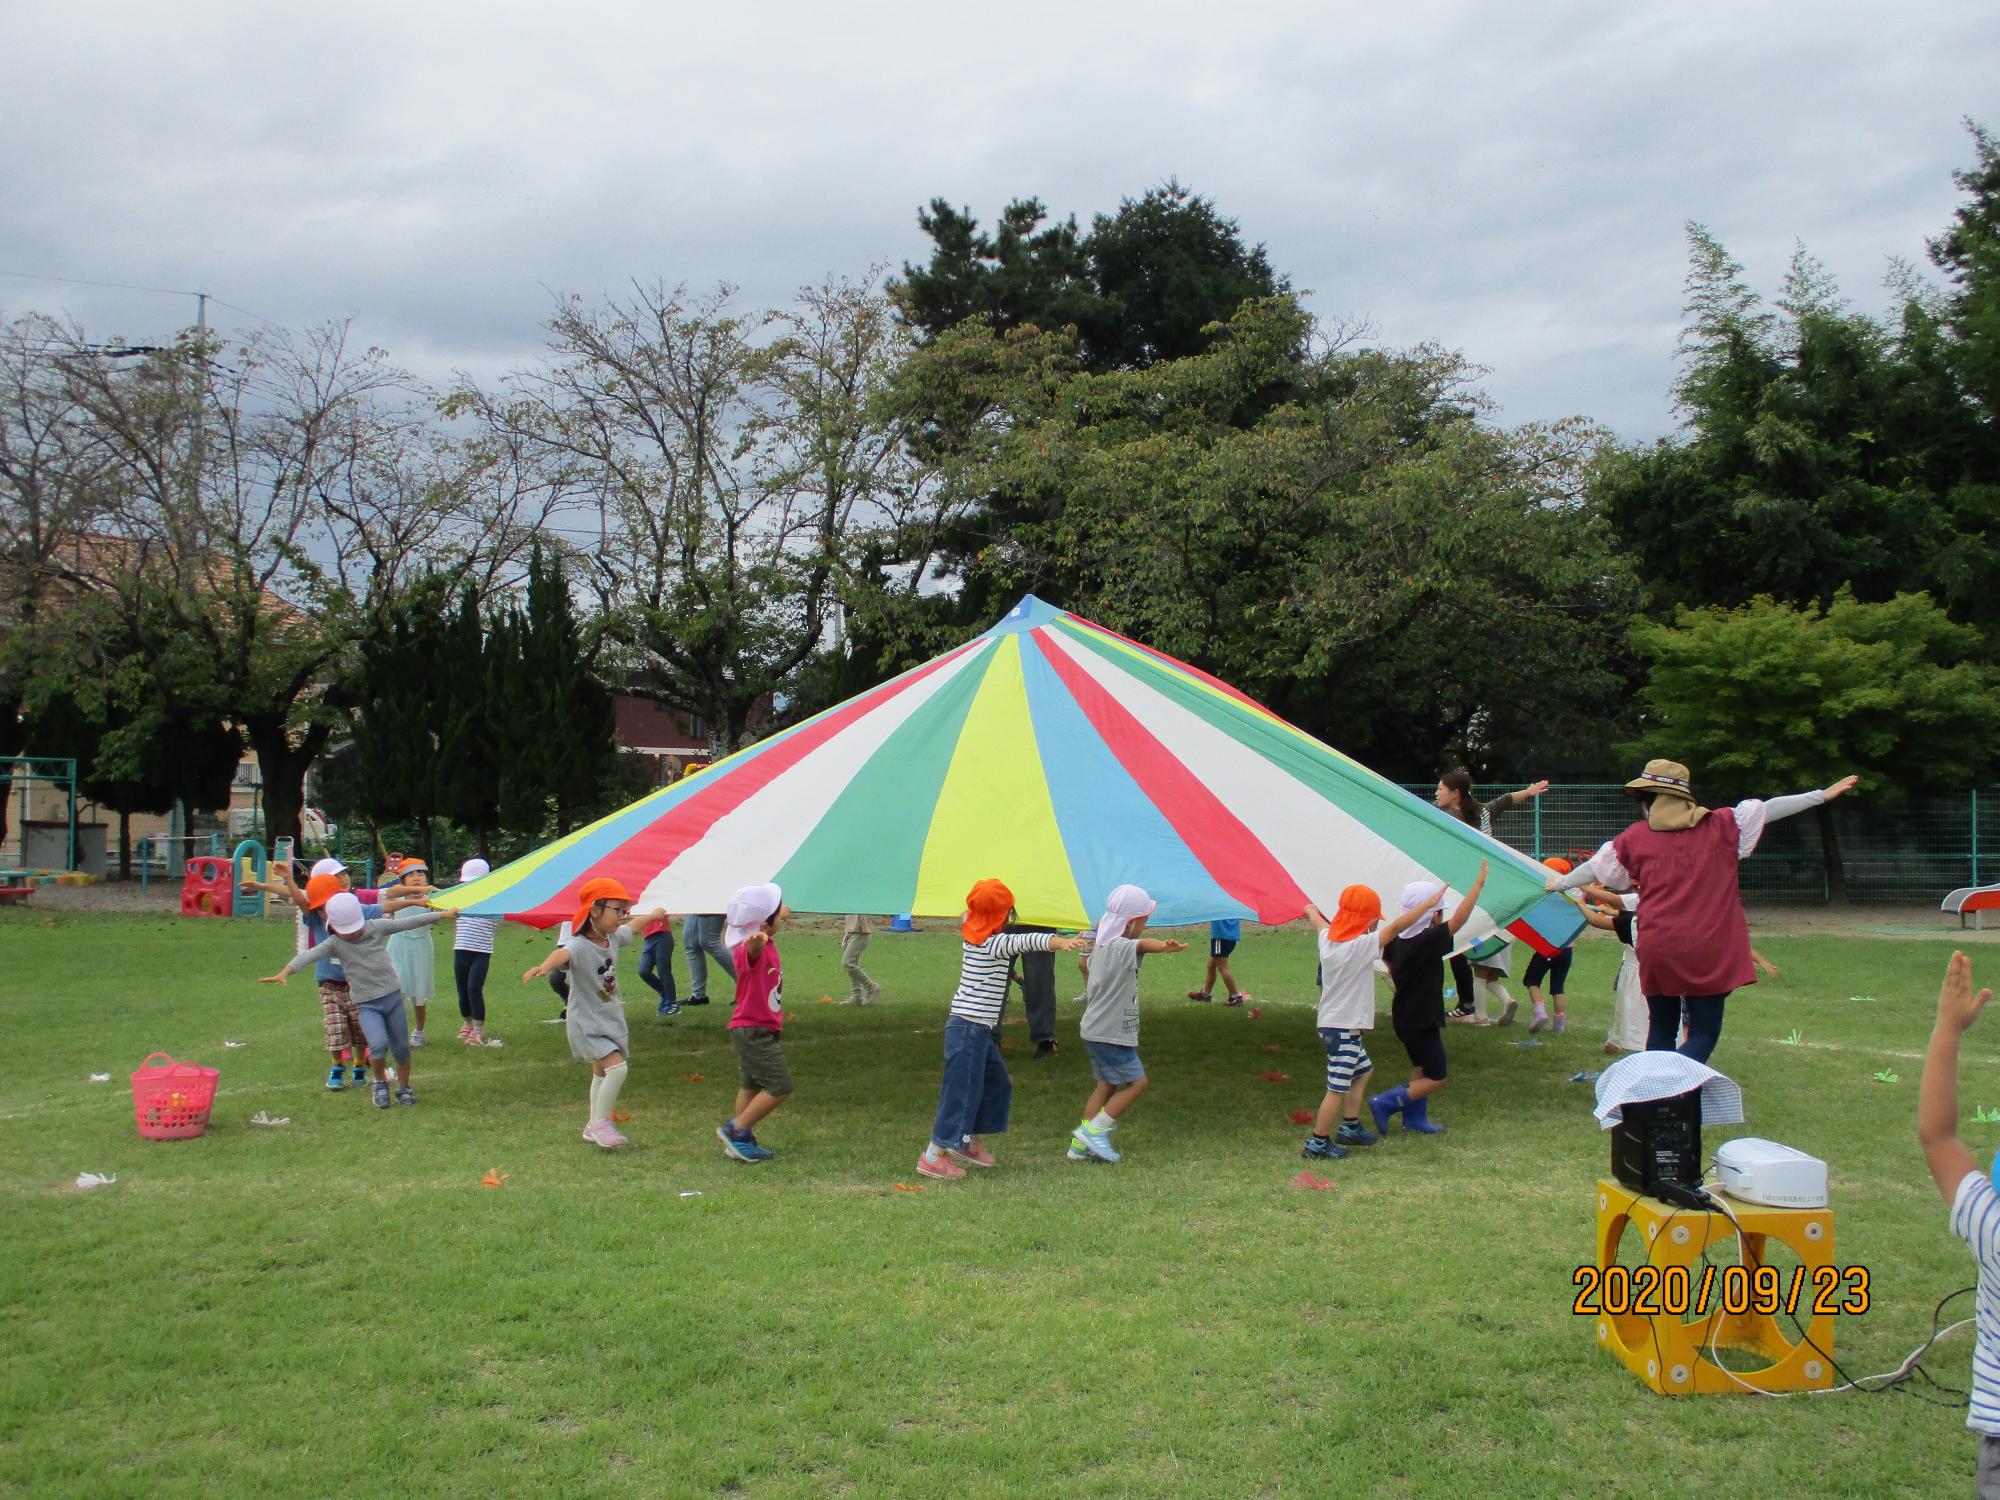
(1658, 1144)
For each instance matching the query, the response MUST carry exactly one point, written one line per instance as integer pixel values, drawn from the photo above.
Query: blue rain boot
(1385, 1104)
(1417, 1117)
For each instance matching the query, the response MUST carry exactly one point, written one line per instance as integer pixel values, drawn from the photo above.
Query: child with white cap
(1416, 963)
(471, 957)
(344, 1039)
(360, 942)
(1111, 1018)
(764, 1080)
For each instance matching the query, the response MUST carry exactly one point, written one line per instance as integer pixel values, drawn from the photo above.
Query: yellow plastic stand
(1669, 1352)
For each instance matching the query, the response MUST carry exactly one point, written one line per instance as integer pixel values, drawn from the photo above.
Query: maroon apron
(1697, 942)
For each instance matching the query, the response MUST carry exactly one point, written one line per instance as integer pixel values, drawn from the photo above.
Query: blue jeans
(976, 1093)
(702, 938)
(656, 965)
(386, 1024)
(1704, 1020)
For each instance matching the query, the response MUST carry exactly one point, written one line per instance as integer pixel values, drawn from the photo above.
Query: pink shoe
(938, 1166)
(605, 1135)
(974, 1155)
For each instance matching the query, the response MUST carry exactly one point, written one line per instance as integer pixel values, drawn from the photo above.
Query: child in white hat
(764, 1079)
(471, 957)
(1111, 1019)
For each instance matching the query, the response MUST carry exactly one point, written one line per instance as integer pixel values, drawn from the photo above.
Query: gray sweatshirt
(370, 974)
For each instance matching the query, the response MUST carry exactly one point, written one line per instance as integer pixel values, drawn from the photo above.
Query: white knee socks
(604, 1098)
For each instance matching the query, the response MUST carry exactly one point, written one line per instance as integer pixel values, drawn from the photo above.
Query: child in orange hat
(604, 923)
(976, 1093)
(345, 1042)
(1349, 944)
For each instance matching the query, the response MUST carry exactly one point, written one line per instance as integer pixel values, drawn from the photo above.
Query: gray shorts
(760, 1064)
(1114, 1063)
(1986, 1478)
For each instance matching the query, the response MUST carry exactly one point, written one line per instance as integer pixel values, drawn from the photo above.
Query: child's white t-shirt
(1347, 982)
(1975, 1218)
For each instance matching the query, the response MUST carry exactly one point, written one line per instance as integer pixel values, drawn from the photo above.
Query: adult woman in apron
(1454, 795)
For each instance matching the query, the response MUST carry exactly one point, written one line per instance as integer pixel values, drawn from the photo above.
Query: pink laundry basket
(171, 1100)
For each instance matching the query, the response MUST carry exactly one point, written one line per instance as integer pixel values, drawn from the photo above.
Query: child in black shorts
(1416, 963)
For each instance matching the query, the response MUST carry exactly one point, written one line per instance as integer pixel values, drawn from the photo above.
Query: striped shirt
(475, 934)
(1975, 1218)
(982, 973)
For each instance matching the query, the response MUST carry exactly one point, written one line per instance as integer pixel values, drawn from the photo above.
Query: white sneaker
(416, 1039)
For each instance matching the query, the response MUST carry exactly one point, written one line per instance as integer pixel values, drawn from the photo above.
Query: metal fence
(1909, 852)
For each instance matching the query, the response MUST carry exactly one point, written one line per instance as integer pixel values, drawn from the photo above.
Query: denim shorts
(1112, 1063)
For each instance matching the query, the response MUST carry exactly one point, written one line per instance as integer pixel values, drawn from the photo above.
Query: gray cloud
(1507, 180)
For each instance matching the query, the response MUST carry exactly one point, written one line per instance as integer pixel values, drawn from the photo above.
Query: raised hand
(1958, 1007)
(1845, 784)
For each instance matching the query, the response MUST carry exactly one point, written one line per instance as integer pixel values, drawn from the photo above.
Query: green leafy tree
(1825, 448)
(1020, 274)
(1144, 285)
(402, 707)
(1367, 557)
(1770, 697)
(1968, 252)
(472, 742)
(559, 716)
(736, 465)
(136, 750)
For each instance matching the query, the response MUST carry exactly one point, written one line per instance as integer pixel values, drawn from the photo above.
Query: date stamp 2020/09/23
(1739, 1291)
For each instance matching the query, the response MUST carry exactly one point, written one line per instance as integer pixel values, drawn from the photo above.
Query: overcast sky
(1509, 180)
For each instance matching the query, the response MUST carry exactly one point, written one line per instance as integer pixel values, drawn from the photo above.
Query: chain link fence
(1909, 853)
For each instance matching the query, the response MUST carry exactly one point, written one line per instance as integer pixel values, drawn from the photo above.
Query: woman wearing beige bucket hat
(1683, 856)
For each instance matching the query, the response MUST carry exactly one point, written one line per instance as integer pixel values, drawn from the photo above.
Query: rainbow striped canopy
(1054, 755)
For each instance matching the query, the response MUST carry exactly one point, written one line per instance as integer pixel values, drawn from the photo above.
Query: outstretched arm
(1471, 899)
(1937, 1098)
(559, 959)
(1161, 945)
(1602, 868)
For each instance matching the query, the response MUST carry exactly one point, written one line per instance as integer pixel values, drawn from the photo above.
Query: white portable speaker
(1760, 1171)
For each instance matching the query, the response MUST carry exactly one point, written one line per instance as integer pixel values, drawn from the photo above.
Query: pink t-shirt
(759, 987)
(654, 929)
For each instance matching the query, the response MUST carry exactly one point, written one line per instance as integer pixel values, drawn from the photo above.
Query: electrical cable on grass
(1894, 1380)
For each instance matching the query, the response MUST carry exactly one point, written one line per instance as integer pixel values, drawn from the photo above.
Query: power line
(122, 286)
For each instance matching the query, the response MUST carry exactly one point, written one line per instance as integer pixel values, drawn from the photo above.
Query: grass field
(338, 1307)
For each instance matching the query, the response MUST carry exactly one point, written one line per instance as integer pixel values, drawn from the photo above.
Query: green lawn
(339, 1307)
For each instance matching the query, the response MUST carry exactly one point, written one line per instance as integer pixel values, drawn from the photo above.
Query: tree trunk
(283, 767)
(1829, 843)
(124, 844)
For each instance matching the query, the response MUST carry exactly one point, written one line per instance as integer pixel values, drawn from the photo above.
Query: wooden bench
(1975, 899)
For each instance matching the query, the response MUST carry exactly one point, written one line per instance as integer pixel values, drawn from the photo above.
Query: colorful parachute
(1052, 754)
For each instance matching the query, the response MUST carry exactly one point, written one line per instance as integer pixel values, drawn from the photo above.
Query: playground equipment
(27, 771)
(250, 865)
(160, 846)
(1975, 899)
(208, 889)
